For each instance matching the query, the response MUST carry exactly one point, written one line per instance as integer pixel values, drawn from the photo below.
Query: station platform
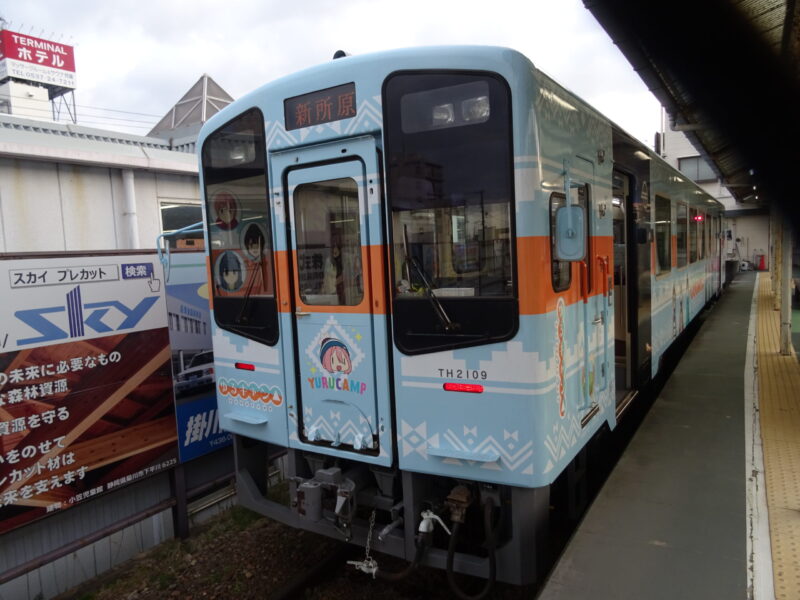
(705, 501)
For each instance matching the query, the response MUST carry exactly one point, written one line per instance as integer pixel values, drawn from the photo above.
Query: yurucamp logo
(71, 319)
(334, 356)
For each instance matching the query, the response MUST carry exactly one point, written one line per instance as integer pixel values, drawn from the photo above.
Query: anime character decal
(229, 270)
(226, 209)
(254, 242)
(335, 356)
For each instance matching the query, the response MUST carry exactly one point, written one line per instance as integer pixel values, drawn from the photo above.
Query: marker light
(443, 115)
(472, 388)
(475, 109)
(245, 366)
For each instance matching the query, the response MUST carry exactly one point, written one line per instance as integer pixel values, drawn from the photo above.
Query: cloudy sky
(141, 56)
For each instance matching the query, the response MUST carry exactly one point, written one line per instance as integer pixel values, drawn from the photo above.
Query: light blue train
(435, 275)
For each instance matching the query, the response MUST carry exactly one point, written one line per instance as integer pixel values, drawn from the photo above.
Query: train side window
(681, 232)
(663, 223)
(240, 228)
(694, 222)
(561, 270)
(701, 223)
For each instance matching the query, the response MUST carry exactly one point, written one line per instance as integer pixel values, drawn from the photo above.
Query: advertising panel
(86, 399)
(192, 359)
(34, 59)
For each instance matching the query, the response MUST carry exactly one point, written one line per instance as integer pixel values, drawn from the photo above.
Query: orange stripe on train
(536, 292)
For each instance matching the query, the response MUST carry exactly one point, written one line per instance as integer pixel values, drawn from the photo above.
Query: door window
(328, 234)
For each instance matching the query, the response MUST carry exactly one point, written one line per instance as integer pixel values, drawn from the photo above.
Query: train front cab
(390, 321)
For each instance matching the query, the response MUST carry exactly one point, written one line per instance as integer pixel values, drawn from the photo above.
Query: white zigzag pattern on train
(366, 112)
(347, 429)
(510, 461)
(277, 131)
(562, 438)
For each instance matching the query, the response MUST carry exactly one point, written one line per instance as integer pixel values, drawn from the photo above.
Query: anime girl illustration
(227, 210)
(334, 356)
(253, 242)
(229, 272)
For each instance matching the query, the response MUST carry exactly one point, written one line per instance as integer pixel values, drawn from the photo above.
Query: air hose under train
(458, 501)
(422, 542)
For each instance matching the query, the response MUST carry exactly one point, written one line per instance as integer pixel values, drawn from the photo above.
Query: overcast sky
(142, 56)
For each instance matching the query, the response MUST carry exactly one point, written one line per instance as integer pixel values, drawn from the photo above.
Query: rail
(164, 252)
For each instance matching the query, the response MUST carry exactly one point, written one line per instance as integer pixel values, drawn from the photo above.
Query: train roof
(509, 63)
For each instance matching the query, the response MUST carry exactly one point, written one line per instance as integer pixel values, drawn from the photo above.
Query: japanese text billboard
(34, 59)
(86, 399)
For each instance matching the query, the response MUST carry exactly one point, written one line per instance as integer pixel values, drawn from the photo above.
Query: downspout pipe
(131, 223)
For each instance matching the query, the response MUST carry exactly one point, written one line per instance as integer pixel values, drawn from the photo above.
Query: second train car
(435, 274)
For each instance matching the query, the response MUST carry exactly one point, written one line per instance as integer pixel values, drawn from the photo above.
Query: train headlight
(443, 115)
(475, 109)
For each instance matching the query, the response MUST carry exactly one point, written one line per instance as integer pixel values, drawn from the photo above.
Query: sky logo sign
(100, 317)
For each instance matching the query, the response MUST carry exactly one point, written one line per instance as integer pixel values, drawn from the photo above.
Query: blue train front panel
(410, 274)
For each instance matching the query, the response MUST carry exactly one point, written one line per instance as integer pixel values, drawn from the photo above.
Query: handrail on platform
(164, 253)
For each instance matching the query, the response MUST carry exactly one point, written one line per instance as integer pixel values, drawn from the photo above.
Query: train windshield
(449, 169)
(239, 229)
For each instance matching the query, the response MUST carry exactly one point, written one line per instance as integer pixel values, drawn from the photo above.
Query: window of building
(177, 215)
(696, 169)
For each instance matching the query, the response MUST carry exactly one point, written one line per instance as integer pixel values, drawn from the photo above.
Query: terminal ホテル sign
(35, 59)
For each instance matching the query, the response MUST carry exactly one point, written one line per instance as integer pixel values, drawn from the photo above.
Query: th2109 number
(463, 374)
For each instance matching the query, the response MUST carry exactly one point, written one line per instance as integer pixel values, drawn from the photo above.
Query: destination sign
(323, 106)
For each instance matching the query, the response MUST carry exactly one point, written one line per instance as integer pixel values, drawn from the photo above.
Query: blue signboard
(192, 359)
(198, 428)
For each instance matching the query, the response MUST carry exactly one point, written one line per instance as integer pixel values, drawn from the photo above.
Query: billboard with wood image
(86, 398)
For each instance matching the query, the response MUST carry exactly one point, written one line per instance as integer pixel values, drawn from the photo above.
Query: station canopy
(728, 74)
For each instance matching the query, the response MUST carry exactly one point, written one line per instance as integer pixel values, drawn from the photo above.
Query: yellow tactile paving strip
(779, 402)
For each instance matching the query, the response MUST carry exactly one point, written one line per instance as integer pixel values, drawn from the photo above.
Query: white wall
(50, 206)
(29, 101)
(753, 235)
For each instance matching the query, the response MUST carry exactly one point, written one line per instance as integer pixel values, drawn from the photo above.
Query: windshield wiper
(241, 318)
(441, 313)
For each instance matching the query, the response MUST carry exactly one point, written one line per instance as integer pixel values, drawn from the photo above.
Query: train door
(623, 351)
(631, 226)
(337, 291)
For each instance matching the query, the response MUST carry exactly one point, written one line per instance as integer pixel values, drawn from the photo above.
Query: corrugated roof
(42, 140)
